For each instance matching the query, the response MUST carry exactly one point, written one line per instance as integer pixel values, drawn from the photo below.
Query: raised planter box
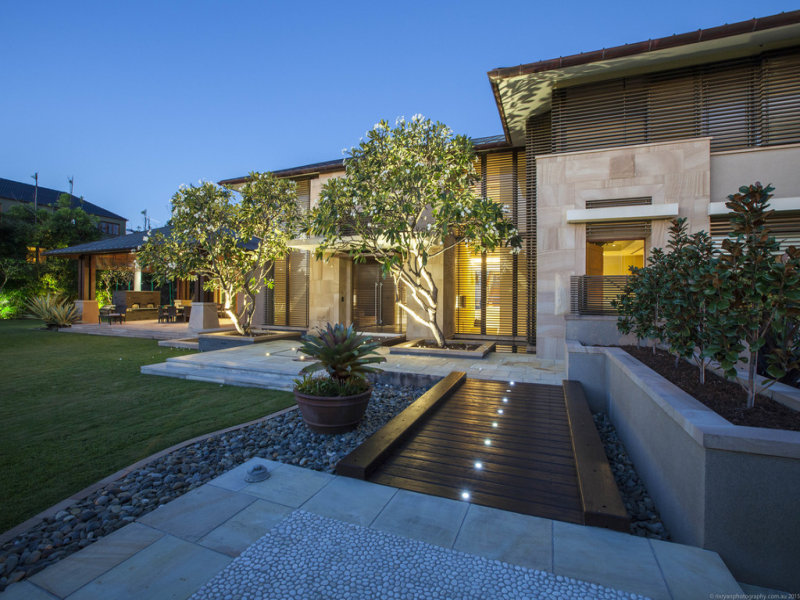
(411, 347)
(208, 342)
(724, 487)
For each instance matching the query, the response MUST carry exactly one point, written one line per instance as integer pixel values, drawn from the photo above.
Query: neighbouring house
(600, 150)
(13, 193)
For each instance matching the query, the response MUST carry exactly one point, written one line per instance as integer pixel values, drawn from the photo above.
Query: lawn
(75, 408)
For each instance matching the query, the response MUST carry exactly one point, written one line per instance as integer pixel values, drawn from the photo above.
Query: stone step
(238, 377)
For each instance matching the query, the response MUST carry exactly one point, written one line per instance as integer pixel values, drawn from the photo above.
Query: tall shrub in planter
(752, 292)
(685, 305)
(640, 304)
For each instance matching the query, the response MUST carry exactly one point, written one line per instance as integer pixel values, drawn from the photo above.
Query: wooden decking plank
(535, 469)
(600, 499)
(522, 482)
(367, 456)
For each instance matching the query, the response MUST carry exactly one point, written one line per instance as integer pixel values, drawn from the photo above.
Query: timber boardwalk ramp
(522, 447)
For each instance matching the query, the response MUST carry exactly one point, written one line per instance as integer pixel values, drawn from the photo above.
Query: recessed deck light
(505, 400)
(487, 442)
(465, 495)
(494, 423)
(478, 465)
(499, 411)
(267, 354)
(510, 383)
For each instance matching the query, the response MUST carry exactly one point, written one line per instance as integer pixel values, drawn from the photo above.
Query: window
(109, 228)
(614, 257)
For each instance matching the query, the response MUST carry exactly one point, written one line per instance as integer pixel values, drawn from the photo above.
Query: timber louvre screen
(287, 302)
(739, 103)
(492, 288)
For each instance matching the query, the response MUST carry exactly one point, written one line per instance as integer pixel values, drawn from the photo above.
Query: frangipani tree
(232, 245)
(407, 197)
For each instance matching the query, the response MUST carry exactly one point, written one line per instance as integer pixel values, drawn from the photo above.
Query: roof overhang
(526, 90)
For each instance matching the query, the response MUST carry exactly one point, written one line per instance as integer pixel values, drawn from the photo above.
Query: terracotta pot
(332, 414)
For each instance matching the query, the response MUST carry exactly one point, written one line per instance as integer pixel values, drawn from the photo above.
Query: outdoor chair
(187, 313)
(162, 314)
(172, 313)
(110, 314)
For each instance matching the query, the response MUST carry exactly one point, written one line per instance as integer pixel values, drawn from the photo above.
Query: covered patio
(117, 252)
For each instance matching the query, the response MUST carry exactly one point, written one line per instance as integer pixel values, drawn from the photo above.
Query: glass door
(374, 300)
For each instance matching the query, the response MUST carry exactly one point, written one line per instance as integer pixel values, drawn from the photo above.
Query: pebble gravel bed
(645, 520)
(310, 556)
(283, 438)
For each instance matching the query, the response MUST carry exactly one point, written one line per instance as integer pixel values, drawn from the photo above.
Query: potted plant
(335, 403)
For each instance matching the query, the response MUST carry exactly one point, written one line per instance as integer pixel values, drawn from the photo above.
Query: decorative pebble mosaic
(308, 556)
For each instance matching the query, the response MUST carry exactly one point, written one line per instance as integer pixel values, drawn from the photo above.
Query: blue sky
(135, 98)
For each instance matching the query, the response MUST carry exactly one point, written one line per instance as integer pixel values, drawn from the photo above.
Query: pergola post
(86, 303)
(204, 310)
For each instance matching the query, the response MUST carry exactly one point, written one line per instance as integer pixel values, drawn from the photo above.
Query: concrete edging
(725, 487)
(88, 491)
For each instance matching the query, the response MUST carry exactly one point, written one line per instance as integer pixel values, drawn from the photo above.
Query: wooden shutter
(741, 103)
(785, 226)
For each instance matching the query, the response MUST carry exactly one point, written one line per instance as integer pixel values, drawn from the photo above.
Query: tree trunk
(751, 380)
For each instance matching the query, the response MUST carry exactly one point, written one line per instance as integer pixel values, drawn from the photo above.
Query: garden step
(239, 377)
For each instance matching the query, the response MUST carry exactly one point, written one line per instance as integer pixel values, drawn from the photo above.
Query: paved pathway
(150, 329)
(176, 549)
(275, 364)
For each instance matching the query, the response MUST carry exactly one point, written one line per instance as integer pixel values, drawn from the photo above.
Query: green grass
(75, 408)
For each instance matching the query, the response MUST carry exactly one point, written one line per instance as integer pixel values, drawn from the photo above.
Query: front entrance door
(374, 307)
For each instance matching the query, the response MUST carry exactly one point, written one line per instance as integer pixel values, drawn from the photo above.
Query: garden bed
(232, 339)
(452, 349)
(724, 397)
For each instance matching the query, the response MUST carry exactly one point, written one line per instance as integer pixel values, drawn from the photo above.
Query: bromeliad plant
(345, 355)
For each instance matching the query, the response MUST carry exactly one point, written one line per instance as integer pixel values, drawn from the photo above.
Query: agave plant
(342, 352)
(52, 310)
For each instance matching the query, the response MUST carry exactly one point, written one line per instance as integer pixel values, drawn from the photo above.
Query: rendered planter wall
(724, 487)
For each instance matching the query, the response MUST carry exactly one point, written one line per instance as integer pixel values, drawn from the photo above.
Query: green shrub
(326, 386)
(12, 304)
(52, 310)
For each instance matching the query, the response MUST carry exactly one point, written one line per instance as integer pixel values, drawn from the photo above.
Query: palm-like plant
(344, 354)
(52, 310)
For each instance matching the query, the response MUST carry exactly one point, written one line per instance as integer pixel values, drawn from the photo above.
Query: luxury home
(599, 152)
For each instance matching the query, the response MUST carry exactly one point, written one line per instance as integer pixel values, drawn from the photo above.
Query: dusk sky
(134, 99)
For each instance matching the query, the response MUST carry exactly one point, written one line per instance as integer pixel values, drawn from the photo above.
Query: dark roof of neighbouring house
(24, 192)
(122, 243)
(481, 144)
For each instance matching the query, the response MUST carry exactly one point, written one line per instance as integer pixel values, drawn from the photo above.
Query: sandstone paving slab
(607, 557)
(75, 571)
(289, 485)
(195, 514)
(244, 528)
(25, 590)
(350, 500)
(427, 518)
(310, 556)
(168, 568)
(693, 572)
(513, 538)
(234, 480)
